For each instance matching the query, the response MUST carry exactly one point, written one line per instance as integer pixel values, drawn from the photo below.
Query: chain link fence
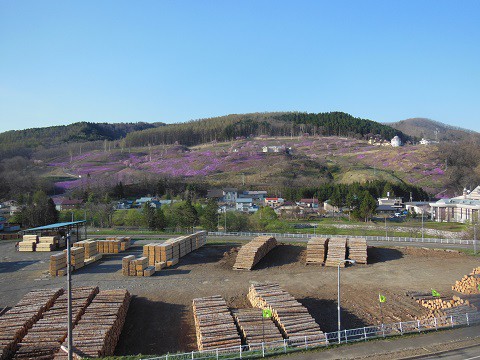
(259, 350)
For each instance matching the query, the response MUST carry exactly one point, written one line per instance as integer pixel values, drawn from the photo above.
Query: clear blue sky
(173, 61)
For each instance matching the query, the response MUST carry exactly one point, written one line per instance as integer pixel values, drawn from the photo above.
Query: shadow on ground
(283, 254)
(377, 255)
(325, 314)
(145, 332)
(12, 266)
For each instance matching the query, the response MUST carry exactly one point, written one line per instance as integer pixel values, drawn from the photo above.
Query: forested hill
(20, 142)
(271, 124)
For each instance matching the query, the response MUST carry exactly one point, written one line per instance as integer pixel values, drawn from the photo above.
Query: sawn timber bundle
(255, 329)
(214, 324)
(251, 253)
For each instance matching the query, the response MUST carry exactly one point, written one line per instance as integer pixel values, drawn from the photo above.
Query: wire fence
(369, 238)
(259, 350)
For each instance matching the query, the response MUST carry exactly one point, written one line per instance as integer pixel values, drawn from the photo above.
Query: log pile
(254, 328)
(317, 250)
(357, 250)
(469, 284)
(292, 318)
(251, 253)
(15, 323)
(337, 248)
(97, 333)
(470, 300)
(45, 337)
(214, 324)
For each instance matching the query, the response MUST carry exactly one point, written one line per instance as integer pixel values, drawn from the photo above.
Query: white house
(396, 142)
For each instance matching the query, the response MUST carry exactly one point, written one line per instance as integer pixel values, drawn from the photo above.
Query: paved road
(468, 353)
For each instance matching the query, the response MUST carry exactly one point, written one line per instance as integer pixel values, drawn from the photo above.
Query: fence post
(365, 333)
(192, 355)
(306, 345)
(401, 328)
(468, 322)
(217, 354)
(285, 346)
(263, 350)
(451, 320)
(418, 325)
(436, 325)
(383, 330)
(240, 347)
(166, 357)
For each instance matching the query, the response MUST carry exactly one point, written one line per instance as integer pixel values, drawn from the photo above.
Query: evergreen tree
(210, 215)
(367, 206)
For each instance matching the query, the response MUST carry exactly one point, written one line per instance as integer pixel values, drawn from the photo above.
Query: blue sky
(173, 61)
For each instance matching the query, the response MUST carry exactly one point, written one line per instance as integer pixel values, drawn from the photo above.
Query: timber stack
(292, 318)
(255, 329)
(136, 267)
(28, 243)
(49, 243)
(251, 253)
(97, 333)
(357, 250)
(45, 337)
(470, 300)
(469, 284)
(317, 250)
(337, 248)
(90, 250)
(15, 323)
(214, 324)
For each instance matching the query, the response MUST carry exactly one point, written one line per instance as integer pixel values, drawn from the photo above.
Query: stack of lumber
(291, 317)
(77, 257)
(337, 248)
(45, 337)
(15, 323)
(126, 265)
(58, 264)
(28, 243)
(357, 250)
(469, 284)
(108, 246)
(47, 243)
(254, 328)
(96, 334)
(316, 250)
(214, 324)
(251, 253)
(91, 252)
(137, 267)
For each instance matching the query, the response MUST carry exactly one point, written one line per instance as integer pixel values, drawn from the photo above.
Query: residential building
(394, 202)
(458, 209)
(311, 203)
(246, 205)
(67, 204)
(419, 207)
(273, 201)
(226, 195)
(256, 196)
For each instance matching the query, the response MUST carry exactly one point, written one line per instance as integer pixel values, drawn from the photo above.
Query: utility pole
(474, 239)
(69, 301)
(422, 225)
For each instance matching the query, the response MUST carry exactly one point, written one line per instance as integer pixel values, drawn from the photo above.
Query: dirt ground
(160, 317)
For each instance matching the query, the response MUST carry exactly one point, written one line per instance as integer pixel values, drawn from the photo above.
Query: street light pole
(338, 292)
(474, 239)
(225, 209)
(69, 299)
(422, 225)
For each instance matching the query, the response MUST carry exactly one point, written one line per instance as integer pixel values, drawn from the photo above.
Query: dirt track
(160, 318)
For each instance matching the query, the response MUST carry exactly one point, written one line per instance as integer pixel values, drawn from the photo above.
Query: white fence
(369, 238)
(332, 338)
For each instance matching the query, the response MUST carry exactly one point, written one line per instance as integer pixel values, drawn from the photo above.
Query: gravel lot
(160, 318)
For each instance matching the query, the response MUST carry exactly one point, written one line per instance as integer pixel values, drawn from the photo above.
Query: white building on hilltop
(396, 142)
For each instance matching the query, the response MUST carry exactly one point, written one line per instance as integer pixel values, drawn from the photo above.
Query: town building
(62, 203)
(462, 208)
(273, 201)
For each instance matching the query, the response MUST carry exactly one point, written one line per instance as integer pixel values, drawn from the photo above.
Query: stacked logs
(45, 337)
(337, 248)
(254, 328)
(291, 317)
(469, 284)
(97, 333)
(317, 250)
(357, 250)
(470, 300)
(251, 253)
(214, 324)
(15, 323)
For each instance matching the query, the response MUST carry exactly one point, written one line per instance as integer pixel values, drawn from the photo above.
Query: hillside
(433, 130)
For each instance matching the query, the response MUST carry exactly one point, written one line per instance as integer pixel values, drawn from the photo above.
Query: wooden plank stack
(45, 337)
(77, 257)
(292, 318)
(214, 324)
(469, 283)
(28, 243)
(255, 329)
(15, 323)
(317, 250)
(251, 253)
(357, 250)
(337, 248)
(90, 249)
(97, 333)
(113, 245)
(58, 264)
(136, 267)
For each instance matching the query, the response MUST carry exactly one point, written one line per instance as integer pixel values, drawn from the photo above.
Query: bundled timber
(357, 250)
(45, 337)
(337, 248)
(214, 324)
(126, 265)
(317, 250)
(469, 284)
(97, 333)
(254, 328)
(15, 323)
(292, 318)
(470, 300)
(251, 253)
(58, 262)
(90, 247)
(137, 267)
